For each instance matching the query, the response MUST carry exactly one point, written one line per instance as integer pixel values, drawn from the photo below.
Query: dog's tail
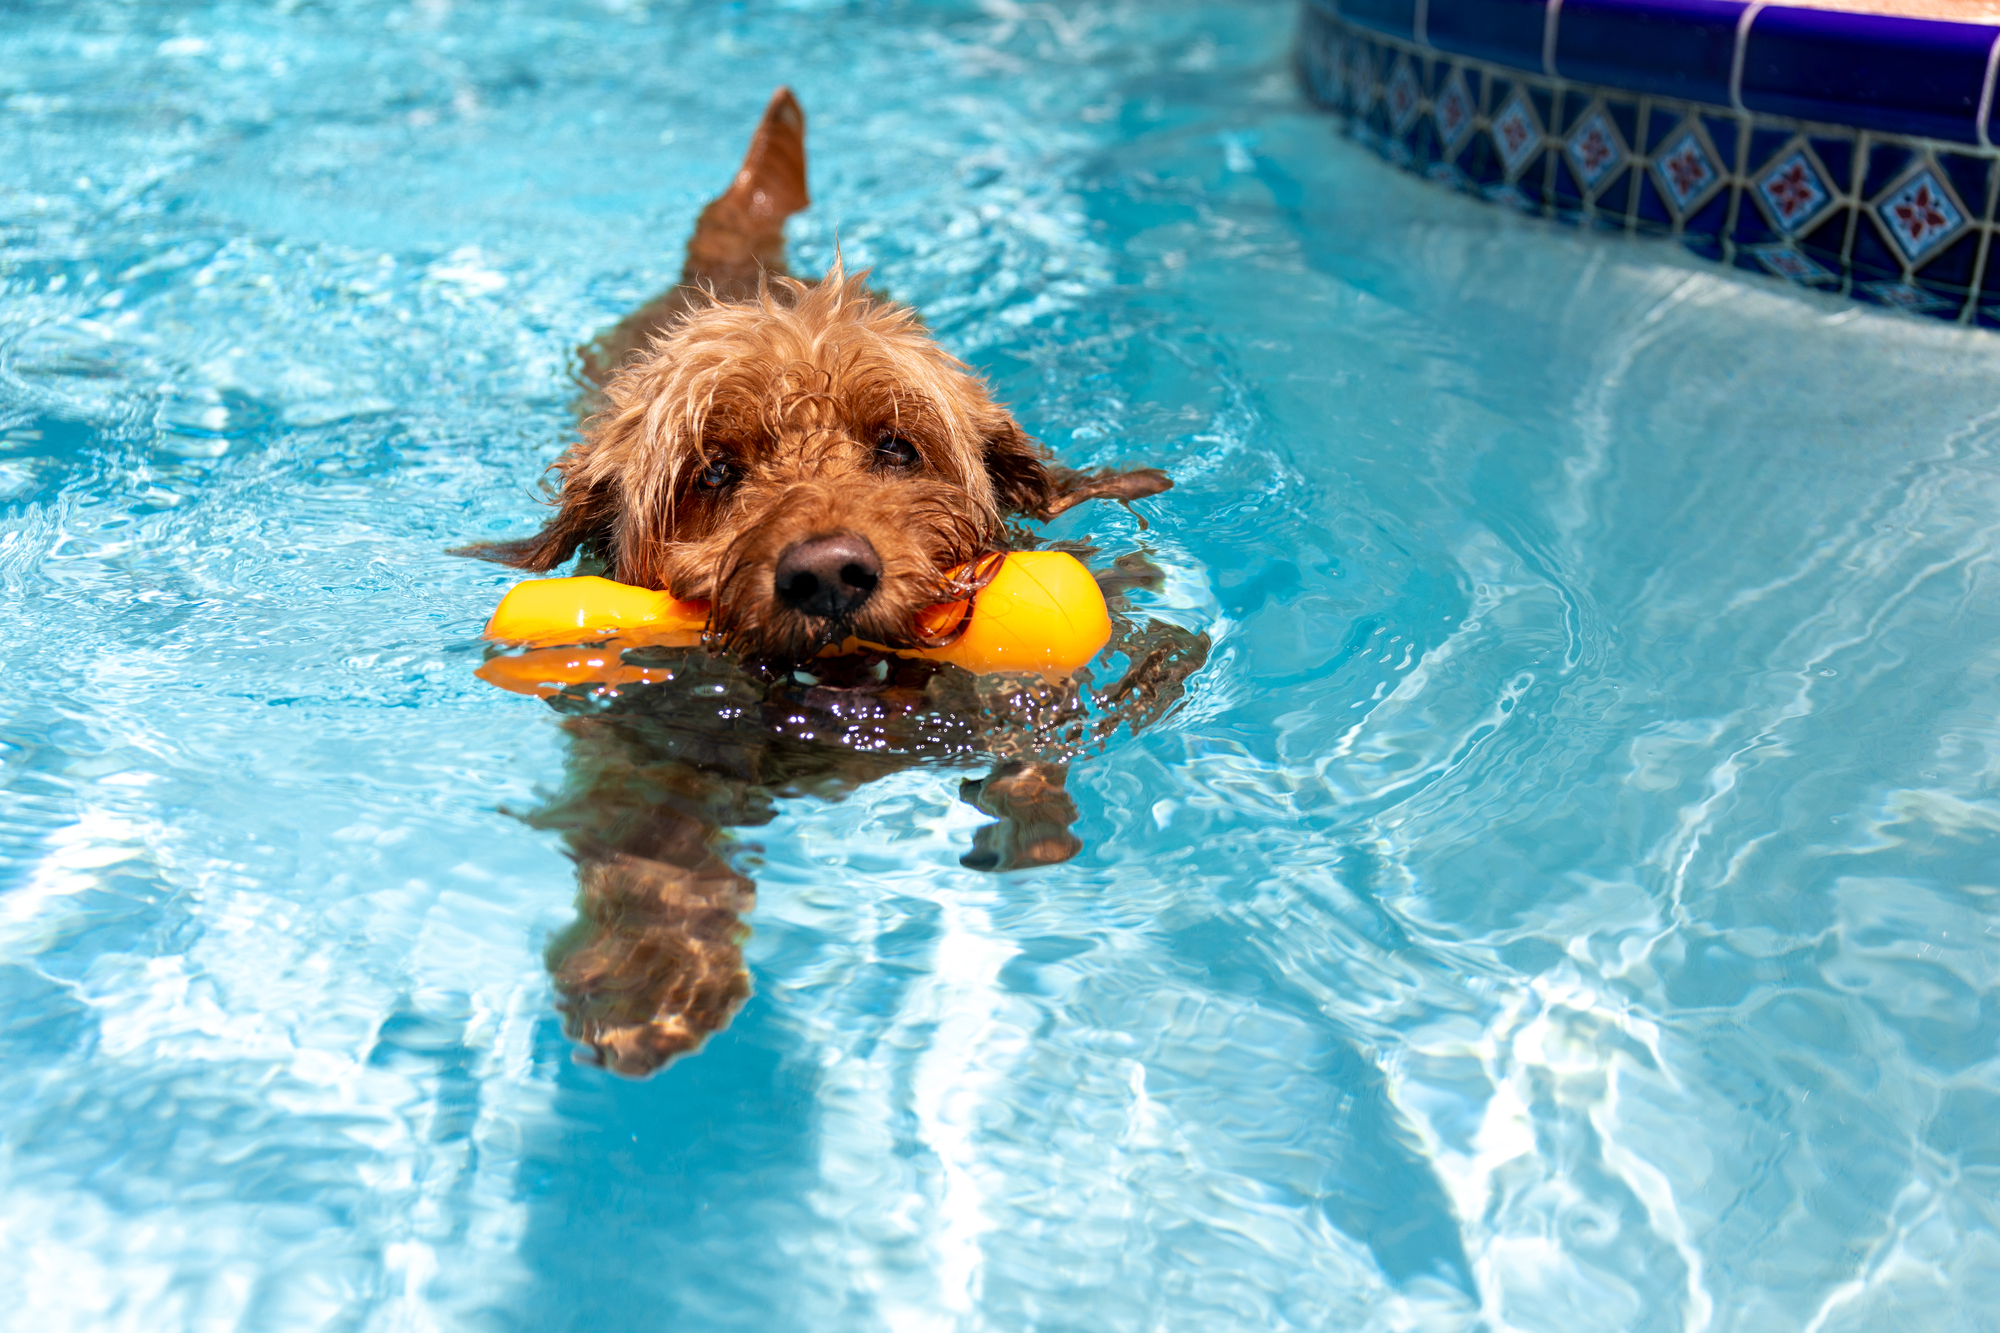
(739, 237)
(743, 229)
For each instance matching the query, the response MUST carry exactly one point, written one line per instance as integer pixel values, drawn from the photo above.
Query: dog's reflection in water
(659, 773)
(804, 457)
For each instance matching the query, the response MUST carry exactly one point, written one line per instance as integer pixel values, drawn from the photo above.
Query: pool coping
(1842, 151)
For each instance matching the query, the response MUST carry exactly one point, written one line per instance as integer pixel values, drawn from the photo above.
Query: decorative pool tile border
(1846, 152)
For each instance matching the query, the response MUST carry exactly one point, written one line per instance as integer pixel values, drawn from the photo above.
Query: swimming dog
(804, 457)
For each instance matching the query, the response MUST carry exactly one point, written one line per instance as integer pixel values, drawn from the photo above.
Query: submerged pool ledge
(1844, 151)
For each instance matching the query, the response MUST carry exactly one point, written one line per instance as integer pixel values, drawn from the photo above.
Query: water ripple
(1564, 902)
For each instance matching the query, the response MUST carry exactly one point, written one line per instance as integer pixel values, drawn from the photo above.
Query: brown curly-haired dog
(805, 458)
(808, 460)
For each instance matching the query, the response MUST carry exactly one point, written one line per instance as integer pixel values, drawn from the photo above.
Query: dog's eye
(895, 451)
(716, 476)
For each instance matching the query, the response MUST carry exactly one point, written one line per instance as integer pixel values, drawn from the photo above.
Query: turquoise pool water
(1568, 901)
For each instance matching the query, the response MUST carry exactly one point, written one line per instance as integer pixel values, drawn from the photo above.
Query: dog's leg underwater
(653, 965)
(1033, 813)
(739, 237)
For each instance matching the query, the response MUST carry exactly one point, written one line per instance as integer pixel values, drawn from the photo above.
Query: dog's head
(809, 462)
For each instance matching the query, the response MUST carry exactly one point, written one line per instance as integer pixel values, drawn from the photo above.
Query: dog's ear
(586, 519)
(1018, 465)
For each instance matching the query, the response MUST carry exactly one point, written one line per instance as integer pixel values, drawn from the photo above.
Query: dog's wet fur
(805, 458)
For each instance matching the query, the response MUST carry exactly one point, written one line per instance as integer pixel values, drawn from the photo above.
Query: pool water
(1567, 901)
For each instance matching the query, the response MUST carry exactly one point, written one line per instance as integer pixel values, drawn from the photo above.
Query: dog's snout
(830, 576)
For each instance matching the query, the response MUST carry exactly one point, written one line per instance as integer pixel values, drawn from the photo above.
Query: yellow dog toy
(1040, 611)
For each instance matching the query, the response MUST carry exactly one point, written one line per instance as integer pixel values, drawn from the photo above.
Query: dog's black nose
(829, 576)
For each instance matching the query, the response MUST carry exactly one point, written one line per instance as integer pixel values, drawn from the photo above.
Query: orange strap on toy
(1040, 611)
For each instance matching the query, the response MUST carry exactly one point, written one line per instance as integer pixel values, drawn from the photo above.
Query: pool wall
(1842, 151)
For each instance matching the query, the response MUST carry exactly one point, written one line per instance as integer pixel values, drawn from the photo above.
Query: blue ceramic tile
(1953, 265)
(1652, 208)
(1764, 145)
(1544, 101)
(1958, 298)
(1567, 193)
(1625, 115)
(1968, 177)
(1886, 162)
(1703, 245)
(1873, 256)
(1838, 154)
(1950, 297)
(1579, 104)
(1917, 299)
(1752, 228)
(1711, 218)
(1485, 89)
(1901, 76)
(1920, 216)
(1722, 133)
(1506, 32)
(1529, 182)
(1824, 242)
(1614, 196)
(1745, 260)
(1659, 124)
(1792, 189)
(1670, 48)
(1397, 18)
(1567, 109)
(1906, 76)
